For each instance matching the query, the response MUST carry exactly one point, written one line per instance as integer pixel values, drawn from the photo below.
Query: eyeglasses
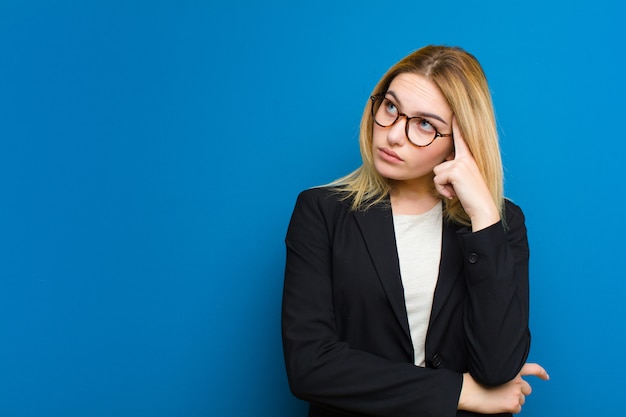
(419, 131)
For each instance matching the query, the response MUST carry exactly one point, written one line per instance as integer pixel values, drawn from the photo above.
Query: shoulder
(317, 212)
(515, 224)
(316, 192)
(513, 213)
(322, 203)
(324, 197)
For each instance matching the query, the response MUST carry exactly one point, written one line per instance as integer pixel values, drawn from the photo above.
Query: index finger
(460, 146)
(534, 369)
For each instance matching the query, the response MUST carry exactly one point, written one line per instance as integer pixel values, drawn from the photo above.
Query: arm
(323, 369)
(506, 398)
(496, 316)
(496, 269)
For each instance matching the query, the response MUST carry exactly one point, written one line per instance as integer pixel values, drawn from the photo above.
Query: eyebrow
(418, 114)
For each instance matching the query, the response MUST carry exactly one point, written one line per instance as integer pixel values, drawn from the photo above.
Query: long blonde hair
(462, 81)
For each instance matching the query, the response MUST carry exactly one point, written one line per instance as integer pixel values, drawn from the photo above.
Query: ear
(451, 156)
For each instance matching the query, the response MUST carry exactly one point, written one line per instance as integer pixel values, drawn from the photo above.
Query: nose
(396, 135)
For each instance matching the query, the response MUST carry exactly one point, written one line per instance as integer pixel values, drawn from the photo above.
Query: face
(394, 156)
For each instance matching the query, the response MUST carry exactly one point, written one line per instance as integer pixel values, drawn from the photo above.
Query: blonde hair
(462, 82)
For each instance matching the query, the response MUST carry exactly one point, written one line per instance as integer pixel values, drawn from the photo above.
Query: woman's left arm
(496, 269)
(497, 307)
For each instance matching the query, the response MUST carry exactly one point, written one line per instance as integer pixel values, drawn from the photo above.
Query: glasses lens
(384, 111)
(421, 132)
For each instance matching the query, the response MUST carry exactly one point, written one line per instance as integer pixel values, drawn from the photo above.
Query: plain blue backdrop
(151, 153)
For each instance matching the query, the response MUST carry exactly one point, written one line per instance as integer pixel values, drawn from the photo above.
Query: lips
(389, 155)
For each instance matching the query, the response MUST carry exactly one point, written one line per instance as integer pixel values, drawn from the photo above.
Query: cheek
(378, 134)
(447, 150)
(444, 148)
(431, 156)
(379, 139)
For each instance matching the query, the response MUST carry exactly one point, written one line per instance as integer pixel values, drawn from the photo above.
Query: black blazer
(346, 334)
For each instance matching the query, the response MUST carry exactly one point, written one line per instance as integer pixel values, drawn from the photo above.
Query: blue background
(151, 153)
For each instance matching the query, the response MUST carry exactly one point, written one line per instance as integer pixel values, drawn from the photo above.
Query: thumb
(534, 369)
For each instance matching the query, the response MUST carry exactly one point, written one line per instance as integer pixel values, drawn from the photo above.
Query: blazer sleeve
(326, 371)
(497, 309)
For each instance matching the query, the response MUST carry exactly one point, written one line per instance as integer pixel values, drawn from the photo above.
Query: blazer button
(436, 361)
(473, 258)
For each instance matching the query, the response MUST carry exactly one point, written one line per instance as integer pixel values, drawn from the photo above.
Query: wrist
(484, 218)
(467, 393)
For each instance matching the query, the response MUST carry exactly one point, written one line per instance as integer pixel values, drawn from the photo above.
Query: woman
(406, 282)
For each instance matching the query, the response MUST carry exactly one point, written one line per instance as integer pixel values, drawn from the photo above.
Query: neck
(414, 197)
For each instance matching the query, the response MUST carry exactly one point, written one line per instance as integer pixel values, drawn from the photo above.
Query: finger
(534, 369)
(460, 146)
(442, 182)
(445, 190)
(442, 167)
(522, 399)
(526, 389)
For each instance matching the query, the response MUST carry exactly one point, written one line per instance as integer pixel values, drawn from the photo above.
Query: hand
(459, 176)
(507, 398)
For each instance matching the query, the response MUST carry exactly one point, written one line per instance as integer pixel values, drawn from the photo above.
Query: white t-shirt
(418, 239)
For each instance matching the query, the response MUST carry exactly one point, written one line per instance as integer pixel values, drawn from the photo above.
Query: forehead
(415, 93)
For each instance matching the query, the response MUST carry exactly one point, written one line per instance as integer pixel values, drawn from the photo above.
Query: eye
(425, 126)
(390, 108)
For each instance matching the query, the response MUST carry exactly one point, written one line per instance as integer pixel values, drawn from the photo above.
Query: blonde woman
(406, 282)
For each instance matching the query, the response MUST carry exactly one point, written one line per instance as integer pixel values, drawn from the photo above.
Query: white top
(418, 239)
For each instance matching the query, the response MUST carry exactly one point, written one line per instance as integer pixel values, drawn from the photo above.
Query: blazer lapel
(376, 226)
(449, 268)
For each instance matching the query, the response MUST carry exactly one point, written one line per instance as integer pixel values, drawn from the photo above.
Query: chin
(399, 175)
(386, 171)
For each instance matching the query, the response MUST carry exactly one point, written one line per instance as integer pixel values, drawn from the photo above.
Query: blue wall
(151, 152)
